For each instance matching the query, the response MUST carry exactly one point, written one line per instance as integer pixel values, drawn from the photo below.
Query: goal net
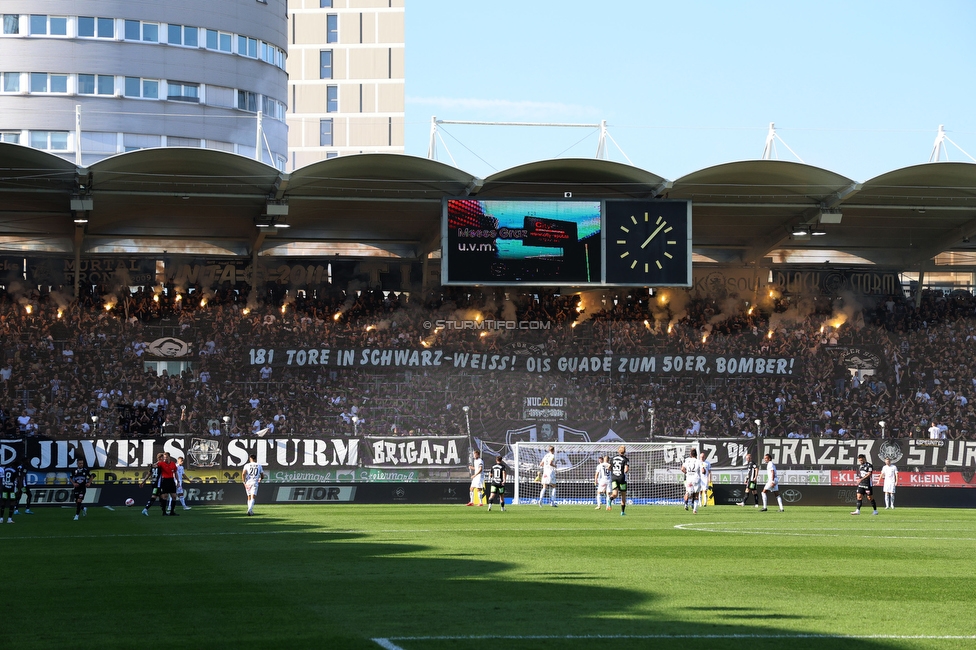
(655, 476)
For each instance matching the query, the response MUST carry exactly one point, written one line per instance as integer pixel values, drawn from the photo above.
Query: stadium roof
(212, 202)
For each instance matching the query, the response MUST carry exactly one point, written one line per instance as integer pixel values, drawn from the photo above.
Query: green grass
(340, 576)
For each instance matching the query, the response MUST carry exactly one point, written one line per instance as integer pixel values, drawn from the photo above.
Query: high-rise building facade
(86, 79)
(345, 78)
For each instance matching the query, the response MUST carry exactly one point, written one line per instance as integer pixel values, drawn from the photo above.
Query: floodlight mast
(602, 151)
(769, 151)
(939, 149)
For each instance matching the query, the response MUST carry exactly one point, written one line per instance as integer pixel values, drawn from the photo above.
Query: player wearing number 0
(548, 465)
(619, 466)
(692, 469)
(864, 471)
(601, 479)
(80, 481)
(252, 473)
(772, 483)
(889, 476)
(498, 474)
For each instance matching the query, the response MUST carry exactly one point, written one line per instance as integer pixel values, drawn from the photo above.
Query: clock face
(648, 243)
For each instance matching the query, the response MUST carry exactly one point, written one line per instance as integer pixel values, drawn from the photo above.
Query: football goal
(655, 476)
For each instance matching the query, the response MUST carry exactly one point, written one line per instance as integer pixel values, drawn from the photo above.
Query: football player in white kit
(601, 479)
(772, 483)
(477, 479)
(548, 465)
(692, 469)
(251, 474)
(706, 476)
(889, 477)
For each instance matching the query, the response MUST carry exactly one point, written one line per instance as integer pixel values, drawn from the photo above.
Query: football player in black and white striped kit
(153, 480)
(752, 481)
(22, 487)
(864, 472)
(8, 487)
(80, 479)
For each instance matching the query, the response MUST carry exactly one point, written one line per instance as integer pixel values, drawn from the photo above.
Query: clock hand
(654, 234)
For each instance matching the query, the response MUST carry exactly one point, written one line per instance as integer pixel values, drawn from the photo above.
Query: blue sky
(856, 87)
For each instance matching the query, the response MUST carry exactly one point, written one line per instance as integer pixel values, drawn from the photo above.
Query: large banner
(442, 452)
(831, 282)
(218, 459)
(668, 364)
(389, 459)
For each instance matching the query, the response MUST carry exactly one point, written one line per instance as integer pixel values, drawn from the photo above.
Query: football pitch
(410, 577)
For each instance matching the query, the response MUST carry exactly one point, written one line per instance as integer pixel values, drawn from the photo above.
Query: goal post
(655, 476)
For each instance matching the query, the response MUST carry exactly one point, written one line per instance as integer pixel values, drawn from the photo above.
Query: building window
(332, 28)
(11, 82)
(48, 25)
(220, 41)
(135, 141)
(331, 154)
(325, 64)
(11, 24)
(247, 46)
(144, 88)
(325, 4)
(331, 99)
(183, 35)
(91, 27)
(182, 92)
(139, 31)
(325, 133)
(96, 84)
(99, 142)
(174, 141)
(42, 82)
(247, 101)
(49, 140)
(12, 137)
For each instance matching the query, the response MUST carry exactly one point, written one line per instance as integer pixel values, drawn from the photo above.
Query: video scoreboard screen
(566, 243)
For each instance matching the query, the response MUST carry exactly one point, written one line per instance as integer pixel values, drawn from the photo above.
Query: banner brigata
(669, 364)
(415, 452)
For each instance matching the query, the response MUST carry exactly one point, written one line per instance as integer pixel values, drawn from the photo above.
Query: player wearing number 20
(864, 471)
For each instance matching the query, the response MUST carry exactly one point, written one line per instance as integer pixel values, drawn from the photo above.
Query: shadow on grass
(225, 580)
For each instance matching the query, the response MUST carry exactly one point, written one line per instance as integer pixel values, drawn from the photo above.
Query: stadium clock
(648, 243)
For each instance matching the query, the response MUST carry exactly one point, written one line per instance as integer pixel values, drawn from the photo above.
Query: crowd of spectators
(83, 368)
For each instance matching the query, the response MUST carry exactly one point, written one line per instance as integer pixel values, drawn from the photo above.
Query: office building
(345, 78)
(87, 79)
